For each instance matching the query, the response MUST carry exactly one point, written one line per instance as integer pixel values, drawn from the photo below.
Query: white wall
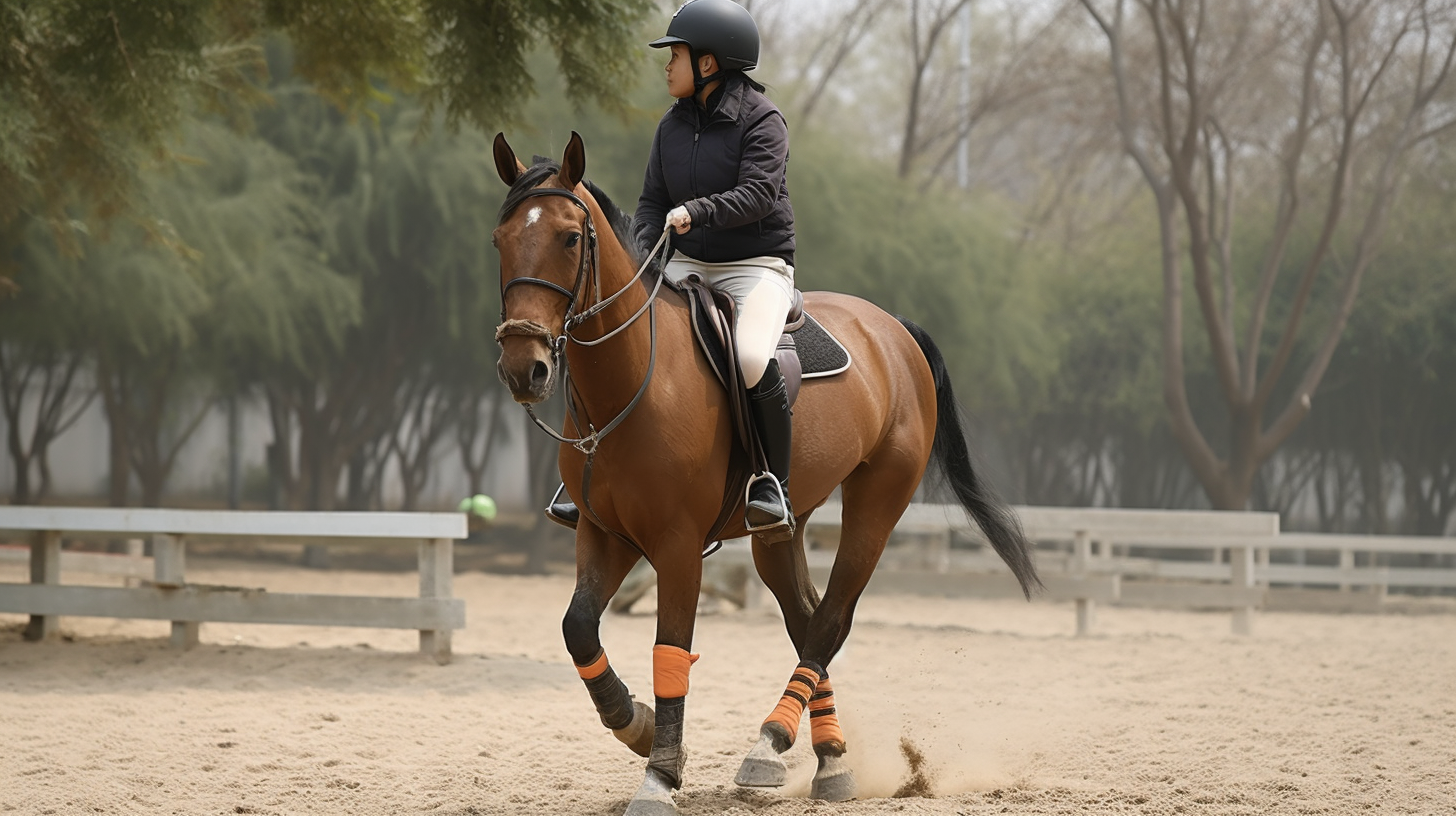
(79, 462)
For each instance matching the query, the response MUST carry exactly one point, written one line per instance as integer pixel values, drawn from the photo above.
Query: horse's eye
(573, 239)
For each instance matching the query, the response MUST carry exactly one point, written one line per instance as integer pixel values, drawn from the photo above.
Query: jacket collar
(729, 107)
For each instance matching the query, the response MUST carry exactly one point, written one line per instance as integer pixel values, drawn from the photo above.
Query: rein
(588, 268)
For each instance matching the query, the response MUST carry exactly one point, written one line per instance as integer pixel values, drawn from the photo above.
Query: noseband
(588, 267)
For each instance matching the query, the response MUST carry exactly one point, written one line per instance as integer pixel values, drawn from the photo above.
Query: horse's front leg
(601, 564)
(680, 575)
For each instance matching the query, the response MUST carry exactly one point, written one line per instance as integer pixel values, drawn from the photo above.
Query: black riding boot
(562, 509)
(768, 402)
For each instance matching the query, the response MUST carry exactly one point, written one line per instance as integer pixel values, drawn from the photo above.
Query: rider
(716, 177)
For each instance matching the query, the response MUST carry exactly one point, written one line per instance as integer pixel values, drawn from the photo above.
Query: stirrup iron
(556, 509)
(774, 531)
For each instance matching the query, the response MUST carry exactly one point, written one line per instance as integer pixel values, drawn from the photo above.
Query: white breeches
(763, 289)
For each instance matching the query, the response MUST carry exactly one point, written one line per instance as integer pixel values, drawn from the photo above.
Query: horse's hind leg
(784, 569)
(874, 497)
(785, 572)
(601, 564)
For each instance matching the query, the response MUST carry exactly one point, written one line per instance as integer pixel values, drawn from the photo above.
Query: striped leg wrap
(824, 722)
(790, 710)
(608, 692)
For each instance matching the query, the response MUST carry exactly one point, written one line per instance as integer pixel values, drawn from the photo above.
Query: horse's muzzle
(530, 380)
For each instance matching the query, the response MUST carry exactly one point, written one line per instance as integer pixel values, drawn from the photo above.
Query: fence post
(45, 568)
(1347, 562)
(437, 572)
(169, 554)
(1241, 559)
(1081, 556)
(135, 548)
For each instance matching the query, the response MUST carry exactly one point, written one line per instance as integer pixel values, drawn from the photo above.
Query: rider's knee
(753, 364)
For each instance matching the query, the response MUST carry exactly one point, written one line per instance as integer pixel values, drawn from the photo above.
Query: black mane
(536, 175)
(620, 221)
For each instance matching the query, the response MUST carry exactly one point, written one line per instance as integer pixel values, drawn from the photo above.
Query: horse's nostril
(539, 374)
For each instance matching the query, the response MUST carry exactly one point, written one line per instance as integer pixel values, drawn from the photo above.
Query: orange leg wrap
(790, 709)
(823, 721)
(670, 667)
(594, 669)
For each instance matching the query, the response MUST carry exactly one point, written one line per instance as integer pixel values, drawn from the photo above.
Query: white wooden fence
(1109, 558)
(168, 596)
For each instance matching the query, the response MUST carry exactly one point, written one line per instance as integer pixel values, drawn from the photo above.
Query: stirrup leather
(774, 530)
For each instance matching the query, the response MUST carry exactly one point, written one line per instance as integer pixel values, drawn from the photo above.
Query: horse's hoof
(762, 768)
(654, 798)
(834, 781)
(637, 734)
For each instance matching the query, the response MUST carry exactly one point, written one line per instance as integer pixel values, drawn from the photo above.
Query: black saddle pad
(820, 353)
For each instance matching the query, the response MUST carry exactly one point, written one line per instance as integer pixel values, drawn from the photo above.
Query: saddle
(713, 319)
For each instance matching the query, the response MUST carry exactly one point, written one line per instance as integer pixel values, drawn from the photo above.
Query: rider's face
(680, 72)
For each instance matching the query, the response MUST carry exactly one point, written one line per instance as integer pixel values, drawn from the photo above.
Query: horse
(647, 445)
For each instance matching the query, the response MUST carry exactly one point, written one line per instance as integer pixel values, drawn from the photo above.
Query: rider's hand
(679, 220)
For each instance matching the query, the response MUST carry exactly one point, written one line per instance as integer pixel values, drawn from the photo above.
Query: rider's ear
(708, 64)
(573, 162)
(506, 164)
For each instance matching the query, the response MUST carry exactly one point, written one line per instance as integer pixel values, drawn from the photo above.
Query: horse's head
(545, 239)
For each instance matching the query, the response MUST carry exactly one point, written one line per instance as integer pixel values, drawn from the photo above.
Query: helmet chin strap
(699, 81)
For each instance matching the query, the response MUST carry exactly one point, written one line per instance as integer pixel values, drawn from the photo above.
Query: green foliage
(232, 263)
(1107, 306)
(945, 264)
(1388, 396)
(405, 216)
(86, 90)
(227, 277)
(479, 63)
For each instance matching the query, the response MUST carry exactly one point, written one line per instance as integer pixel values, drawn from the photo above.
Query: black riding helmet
(718, 27)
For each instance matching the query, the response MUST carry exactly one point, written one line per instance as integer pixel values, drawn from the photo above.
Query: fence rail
(1116, 555)
(168, 595)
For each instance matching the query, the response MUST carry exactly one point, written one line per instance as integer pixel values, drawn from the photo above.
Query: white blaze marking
(533, 216)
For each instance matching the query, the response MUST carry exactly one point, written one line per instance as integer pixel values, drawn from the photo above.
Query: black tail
(997, 520)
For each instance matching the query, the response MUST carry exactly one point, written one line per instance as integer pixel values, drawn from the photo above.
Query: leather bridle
(588, 269)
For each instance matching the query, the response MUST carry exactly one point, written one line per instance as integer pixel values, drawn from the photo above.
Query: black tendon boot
(768, 499)
(562, 509)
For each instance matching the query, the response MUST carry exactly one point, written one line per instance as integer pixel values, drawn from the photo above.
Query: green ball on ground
(479, 505)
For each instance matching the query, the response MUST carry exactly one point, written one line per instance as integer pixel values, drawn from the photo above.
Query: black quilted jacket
(727, 167)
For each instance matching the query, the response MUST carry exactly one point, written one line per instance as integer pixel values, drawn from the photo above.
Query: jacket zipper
(693, 185)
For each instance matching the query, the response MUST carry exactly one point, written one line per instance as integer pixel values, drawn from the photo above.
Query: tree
(37, 367)
(1390, 391)
(835, 39)
(90, 92)
(1323, 100)
(406, 221)
(168, 326)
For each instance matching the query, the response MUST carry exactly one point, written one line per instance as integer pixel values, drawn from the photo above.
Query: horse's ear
(573, 162)
(506, 164)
